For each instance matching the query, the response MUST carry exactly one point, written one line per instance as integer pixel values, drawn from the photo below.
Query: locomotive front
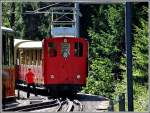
(65, 64)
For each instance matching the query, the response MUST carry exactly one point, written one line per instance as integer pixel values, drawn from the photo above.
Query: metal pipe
(122, 102)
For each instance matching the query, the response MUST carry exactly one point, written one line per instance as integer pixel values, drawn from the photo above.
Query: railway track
(79, 104)
(32, 107)
(64, 105)
(69, 106)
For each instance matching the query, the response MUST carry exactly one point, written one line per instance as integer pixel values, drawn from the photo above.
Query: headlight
(52, 76)
(78, 76)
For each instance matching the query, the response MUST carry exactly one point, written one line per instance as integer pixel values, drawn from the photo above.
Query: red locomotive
(59, 64)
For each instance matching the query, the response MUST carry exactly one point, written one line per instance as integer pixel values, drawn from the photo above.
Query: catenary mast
(65, 21)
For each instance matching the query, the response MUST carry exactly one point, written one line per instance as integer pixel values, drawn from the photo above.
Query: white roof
(7, 29)
(27, 43)
(17, 41)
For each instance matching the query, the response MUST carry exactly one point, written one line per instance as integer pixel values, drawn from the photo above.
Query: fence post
(111, 105)
(18, 91)
(122, 102)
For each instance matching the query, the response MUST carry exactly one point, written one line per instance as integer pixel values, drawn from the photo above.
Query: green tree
(106, 48)
(140, 57)
(26, 26)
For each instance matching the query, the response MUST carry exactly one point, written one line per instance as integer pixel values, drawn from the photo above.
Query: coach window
(40, 62)
(36, 57)
(52, 51)
(30, 56)
(3, 48)
(23, 56)
(78, 49)
(4, 45)
(7, 50)
(27, 57)
(11, 50)
(65, 49)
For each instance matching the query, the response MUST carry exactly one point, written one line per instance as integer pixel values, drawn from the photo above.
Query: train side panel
(8, 79)
(31, 58)
(37, 70)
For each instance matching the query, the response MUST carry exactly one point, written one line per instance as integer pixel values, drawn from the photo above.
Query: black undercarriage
(63, 90)
(56, 90)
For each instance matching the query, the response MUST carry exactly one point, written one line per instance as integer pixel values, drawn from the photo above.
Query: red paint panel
(60, 70)
(8, 81)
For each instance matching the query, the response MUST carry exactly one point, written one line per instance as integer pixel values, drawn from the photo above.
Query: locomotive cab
(65, 63)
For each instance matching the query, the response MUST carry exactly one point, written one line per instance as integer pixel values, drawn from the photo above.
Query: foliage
(106, 49)
(140, 97)
(140, 49)
(5, 15)
(100, 80)
(27, 26)
(140, 59)
(106, 35)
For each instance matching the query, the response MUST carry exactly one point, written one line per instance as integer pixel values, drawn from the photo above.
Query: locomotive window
(65, 49)
(52, 51)
(78, 49)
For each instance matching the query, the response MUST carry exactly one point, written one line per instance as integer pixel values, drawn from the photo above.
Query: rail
(35, 106)
(77, 102)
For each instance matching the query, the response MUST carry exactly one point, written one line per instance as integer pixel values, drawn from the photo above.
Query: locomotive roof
(7, 29)
(27, 43)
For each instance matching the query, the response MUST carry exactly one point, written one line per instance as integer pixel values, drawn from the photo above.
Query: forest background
(104, 27)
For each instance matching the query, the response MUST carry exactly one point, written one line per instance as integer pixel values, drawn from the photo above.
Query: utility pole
(128, 34)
